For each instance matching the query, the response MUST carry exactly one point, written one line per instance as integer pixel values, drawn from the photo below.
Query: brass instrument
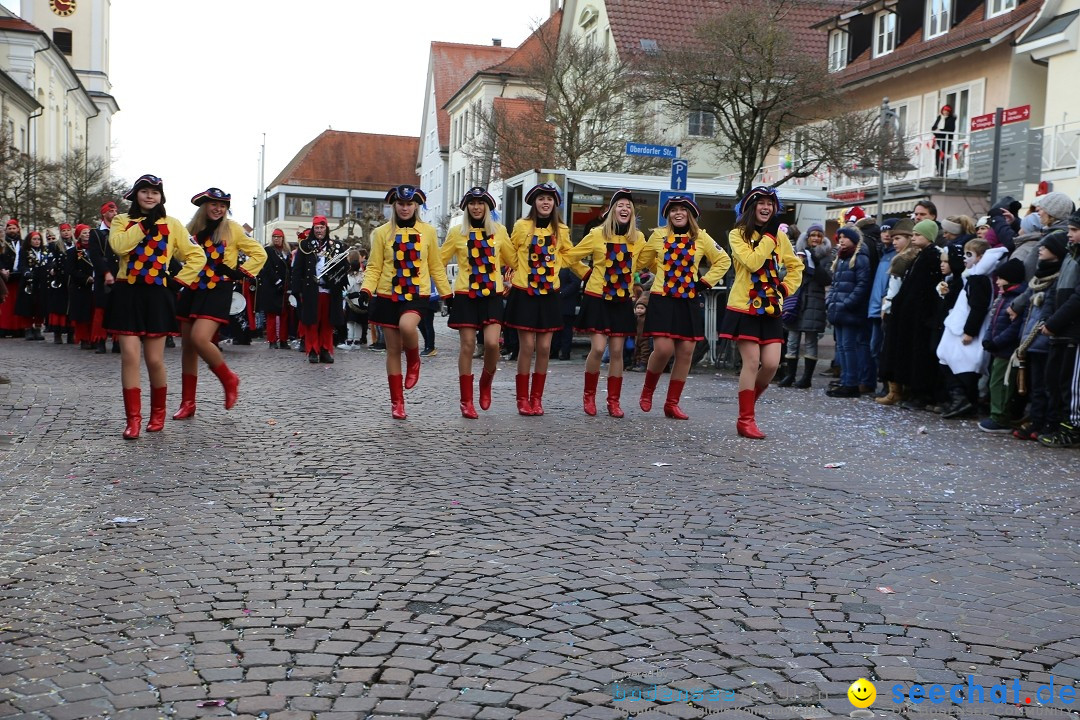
(28, 272)
(335, 271)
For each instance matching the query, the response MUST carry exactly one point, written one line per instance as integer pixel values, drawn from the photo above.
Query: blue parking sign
(680, 168)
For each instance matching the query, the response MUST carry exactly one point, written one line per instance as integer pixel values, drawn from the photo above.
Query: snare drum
(238, 304)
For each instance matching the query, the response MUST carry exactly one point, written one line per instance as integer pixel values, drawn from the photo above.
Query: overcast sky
(200, 81)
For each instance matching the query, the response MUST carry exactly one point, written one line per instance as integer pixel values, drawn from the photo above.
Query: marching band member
(272, 291)
(80, 272)
(482, 249)
(674, 321)
(205, 305)
(56, 292)
(752, 320)
(142, 310)
(540, 242)
(607, 307)
(30, 304)
(319, 296)
(404, 260)
(106, 268)
(10, 253)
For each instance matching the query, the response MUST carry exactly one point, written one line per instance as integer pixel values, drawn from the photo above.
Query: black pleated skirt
(475, 312)
(387, 313)
(762, 329)
(606, 317)
(141, 309)
(533, 313)
(209, 304)
(676, 318)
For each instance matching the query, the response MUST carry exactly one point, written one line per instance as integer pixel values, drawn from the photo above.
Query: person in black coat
(273, 289)
(804, 313)
(847, 302)
(569, 290)
(106, 266)
(56, 294)
(30, 304)
(80, 273)
(318, 319)
(944, 129)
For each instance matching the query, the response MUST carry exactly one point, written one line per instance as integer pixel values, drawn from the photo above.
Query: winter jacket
(850, 292)
(1027, 251)
(1003, 333)
(807, 306)
(1065, 322)
(880, 285)
(1038, 301)
(970, 316)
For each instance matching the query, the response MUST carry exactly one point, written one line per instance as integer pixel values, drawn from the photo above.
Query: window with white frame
(884, 33)
(838, 50)
(1000, 7)
(937, 17)
(702, 124)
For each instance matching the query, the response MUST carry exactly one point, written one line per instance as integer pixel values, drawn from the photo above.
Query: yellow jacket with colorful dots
(758, 289)
(540, 254)
(146, 259)
(235, 242)
(674, 261)
(612, 276)
(402, 265)
(481, 260)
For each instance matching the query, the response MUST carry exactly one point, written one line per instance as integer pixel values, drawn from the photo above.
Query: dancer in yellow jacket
(207, 304)
(404, 261)
(541, 242)
(142, 311)
(607, 307)
(759, 248)
(482, 250)
(674, 320)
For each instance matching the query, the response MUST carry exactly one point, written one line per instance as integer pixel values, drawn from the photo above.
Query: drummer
(208, 303)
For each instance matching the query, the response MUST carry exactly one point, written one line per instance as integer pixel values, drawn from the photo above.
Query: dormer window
(1000, 7)
(838, 50)
(937, 17)
(884, 33)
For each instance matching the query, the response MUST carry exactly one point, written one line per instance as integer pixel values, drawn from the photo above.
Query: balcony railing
(1061, 147)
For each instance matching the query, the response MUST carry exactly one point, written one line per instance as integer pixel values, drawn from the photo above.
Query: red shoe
(133, 411)
(614, 390)
(230, 382)
(412, 367)
(671, 404)
(485, 389)
(397, 397)
(158, 397)
(746, 425)
(522, 382)
(536, 396)
(647, 389)
(589, 397)
(467, 409)
(187, 397)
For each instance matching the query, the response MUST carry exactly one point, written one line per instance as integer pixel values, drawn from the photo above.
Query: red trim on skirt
(531, 329)
(673, 336)
(394, 326)
(606, 333)
(759, 341)
(470, 326)
(144, 335)
(190, 318)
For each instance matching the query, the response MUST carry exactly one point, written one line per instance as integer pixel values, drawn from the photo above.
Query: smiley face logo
(862, 693)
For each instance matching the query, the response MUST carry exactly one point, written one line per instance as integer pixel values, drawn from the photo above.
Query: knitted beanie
(928, 229)
(1056, 204)
(1011, 271)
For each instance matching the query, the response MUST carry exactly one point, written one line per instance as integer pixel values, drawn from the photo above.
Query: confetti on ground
(662, 464)
(921, 430)
(211, 703)
(833, 466)
(886, 590)
(120, 519)
(271, 422)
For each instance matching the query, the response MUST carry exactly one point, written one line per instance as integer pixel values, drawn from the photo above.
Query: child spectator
(1031, 310)
(1063, 328)
(965, 324)
(1001, 340)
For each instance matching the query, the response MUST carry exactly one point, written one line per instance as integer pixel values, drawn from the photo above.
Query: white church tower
(80, 31)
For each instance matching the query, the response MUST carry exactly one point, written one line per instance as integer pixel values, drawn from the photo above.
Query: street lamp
(888, 127)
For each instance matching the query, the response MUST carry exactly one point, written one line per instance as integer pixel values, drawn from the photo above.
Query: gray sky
(198, 90)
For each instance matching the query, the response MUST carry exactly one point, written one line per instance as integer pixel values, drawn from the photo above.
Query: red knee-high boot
(412, 367)
(158, 397)
(187, 396)
(614, 390)
(589, 396)
(671, 405)
(467, 409)
(759, 390)
(230, 382)
(133, 411)
(746, 425)
(647, 389)
(536, 395)
(397, 397)
(485, 389)
(522, 383)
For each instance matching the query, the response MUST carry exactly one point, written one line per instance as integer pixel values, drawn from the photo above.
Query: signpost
(679, 170)
(658, 151)
(1004, 155)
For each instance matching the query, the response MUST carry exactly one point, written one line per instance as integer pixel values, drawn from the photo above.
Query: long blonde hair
(200, 221)
(608, 228)
(490, 227)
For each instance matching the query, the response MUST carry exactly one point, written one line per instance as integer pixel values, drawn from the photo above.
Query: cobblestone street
(305, 556)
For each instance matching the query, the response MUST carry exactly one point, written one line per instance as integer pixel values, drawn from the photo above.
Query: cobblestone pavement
(305, 556)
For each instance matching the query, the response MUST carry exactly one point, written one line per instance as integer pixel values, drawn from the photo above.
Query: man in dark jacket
(1063, 328)
(321, 309)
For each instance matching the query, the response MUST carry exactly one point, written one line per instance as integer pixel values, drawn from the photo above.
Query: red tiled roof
(971, 30)
(672, 22)
(530, 141)
(532, 49)
(15, 23)
(453, 65)
(353, 160)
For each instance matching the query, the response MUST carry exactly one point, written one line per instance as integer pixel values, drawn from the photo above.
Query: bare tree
(578, 112)
(26, 183)
(765, 91)
(81, 185)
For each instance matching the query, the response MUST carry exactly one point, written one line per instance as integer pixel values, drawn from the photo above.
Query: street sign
(661, 221)
(679, 170)
(1019, 113)
(658, 151)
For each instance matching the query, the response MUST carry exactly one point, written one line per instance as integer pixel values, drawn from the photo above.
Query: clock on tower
(63, 8)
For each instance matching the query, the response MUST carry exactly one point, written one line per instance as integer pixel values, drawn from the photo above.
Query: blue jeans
(853, 353)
